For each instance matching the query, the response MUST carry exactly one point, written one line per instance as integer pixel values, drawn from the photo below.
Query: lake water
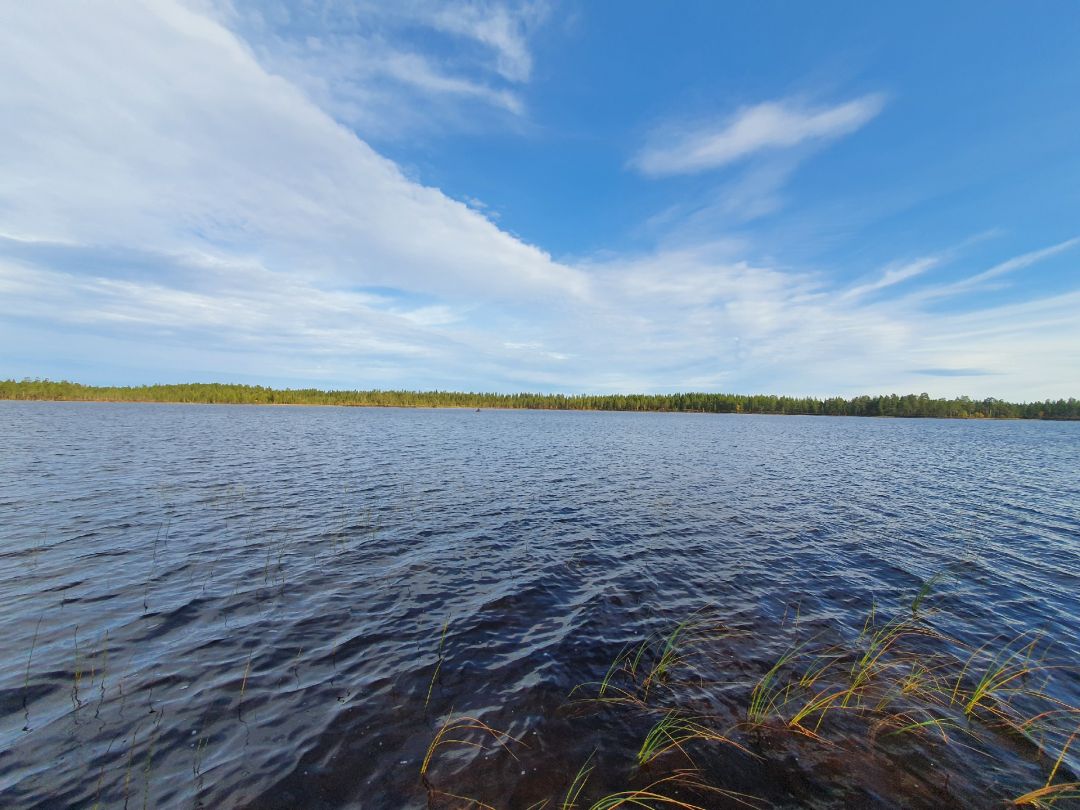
(226, 606)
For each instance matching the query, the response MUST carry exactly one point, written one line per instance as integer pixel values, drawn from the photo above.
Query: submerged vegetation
(916, 706)
(901, 706)
(910, 405)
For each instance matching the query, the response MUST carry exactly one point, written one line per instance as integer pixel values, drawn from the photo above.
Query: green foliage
(218, 393)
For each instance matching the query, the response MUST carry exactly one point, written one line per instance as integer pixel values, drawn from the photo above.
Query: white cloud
(265, 311)
(153, 127)
(372, 65)
(894, 274)
(1002, 268)
(687, 315)
(686, 149)
(414, 70)
(503, 29)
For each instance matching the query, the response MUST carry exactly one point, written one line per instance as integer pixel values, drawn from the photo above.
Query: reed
(104, 674)
(77, 672)
(605, 682)
(1049, 794)
(642, 798)
(101, 775)
(770, 692)
(149, 766)
(647, 797)
(674, 732)
(669, 655)
(26, 677)
(438, 663)
(243, 688)
(925, 590)
(470, 802)
(997, 683)
(636, 662)
(130, 764)
(609, 692)
(573, 793)
(200, 754)
(456, 731)
(873, 659)
(940, 724)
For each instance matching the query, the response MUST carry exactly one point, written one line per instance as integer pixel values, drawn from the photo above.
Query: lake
(229, 606)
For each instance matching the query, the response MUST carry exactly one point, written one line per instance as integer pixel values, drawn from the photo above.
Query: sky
(807, 199)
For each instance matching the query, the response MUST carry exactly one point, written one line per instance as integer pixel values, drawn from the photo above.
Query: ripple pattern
(226, 606)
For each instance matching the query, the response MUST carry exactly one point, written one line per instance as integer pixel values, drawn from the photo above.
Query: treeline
(911, 405)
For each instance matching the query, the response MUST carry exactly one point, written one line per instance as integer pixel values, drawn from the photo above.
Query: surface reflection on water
(217, 605)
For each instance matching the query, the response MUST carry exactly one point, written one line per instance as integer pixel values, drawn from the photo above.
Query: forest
(908, 405)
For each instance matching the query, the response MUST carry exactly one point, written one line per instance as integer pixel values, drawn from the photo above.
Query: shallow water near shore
(278, 607)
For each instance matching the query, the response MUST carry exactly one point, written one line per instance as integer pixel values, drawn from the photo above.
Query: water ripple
(227, 606)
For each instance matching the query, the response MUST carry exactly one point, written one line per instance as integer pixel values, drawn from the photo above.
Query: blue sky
(823, 199)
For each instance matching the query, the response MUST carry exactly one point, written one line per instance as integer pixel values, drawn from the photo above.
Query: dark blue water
(218, 606)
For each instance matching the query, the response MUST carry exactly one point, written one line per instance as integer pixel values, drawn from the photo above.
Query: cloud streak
(768, 127)
(1000, 269)
(367, 63)
(895, 274)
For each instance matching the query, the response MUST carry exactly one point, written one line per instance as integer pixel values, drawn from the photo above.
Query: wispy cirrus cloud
(502, 28)
(894, 274)
(389, 68)
(1000, 269)
(418, 73)
(688, 148)
(953, 372)
(697, 316)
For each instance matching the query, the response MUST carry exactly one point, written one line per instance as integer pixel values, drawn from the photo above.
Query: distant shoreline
(890, 405)
(531, 408)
